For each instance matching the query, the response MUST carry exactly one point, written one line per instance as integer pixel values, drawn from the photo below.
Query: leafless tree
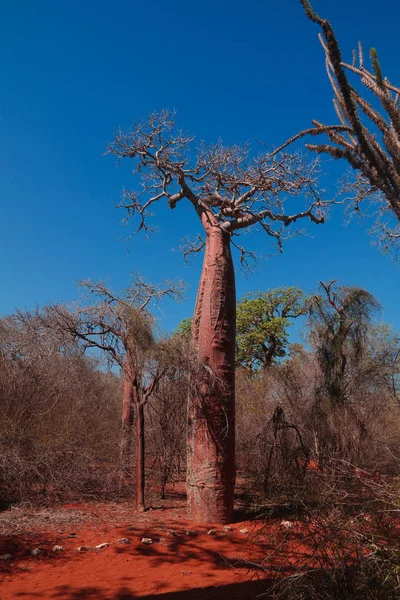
(368, 138)
(229, 190)
(339, 321)
(121, 326)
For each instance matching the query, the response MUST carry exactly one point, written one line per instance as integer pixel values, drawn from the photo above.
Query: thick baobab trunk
(133, 408)
(211, 412)
(127, 425)
(140, 456)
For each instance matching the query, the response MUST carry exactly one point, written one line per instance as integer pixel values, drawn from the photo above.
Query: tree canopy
(262, 325)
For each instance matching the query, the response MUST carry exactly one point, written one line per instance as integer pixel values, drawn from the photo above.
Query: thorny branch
(372, 150)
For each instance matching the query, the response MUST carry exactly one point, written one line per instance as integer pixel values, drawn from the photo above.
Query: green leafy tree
(184, 328)
(262, 325)
(262, 322)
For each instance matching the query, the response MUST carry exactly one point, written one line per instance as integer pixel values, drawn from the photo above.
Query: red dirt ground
(176, 565)
(181, 566)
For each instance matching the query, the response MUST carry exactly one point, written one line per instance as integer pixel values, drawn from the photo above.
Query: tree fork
(211, 413)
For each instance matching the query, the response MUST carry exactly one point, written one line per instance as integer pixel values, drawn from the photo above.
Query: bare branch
(228, 187)
(191, 246)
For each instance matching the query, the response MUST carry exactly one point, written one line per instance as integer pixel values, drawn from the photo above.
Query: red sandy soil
(226, 565)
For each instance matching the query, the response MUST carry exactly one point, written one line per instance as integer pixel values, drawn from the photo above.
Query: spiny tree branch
(374, 151)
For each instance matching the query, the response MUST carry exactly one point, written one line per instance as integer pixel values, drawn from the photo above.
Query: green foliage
(185, 327)
(262, 322)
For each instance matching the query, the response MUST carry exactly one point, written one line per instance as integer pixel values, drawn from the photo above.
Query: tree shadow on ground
(248, 590)
(20, 548)
(199, 563)
(197, 553)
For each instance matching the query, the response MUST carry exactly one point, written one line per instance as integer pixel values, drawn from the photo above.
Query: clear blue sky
(72, 72)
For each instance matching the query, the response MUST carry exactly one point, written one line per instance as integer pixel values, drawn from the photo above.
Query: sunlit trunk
(211, 413)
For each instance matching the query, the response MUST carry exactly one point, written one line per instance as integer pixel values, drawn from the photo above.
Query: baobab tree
(121, 326)
(367, 137)
(230, 190)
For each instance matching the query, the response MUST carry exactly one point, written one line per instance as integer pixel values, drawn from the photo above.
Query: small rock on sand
(212, 532)
(147, 541)
(244, 531)
(36, 552)
(102, 546)
(57, 548)
(5, 557)
(123, 541)
(287, 524)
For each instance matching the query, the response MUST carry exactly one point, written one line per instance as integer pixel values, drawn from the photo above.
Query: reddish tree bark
(140, 457)
(211, 414)
(133, 410)
(127, 425)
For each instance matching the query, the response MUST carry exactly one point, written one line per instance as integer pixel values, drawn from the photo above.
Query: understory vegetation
(317, 428)
(96, 403)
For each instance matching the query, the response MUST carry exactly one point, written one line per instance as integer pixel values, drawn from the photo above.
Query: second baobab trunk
(127, 426)
(133, 436)
(211, 414)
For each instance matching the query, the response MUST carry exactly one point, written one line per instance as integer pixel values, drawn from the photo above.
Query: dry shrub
(59, 419)
(167, 411)
(166, 416)
(288, 432)
(332, 466)
(350, 543)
